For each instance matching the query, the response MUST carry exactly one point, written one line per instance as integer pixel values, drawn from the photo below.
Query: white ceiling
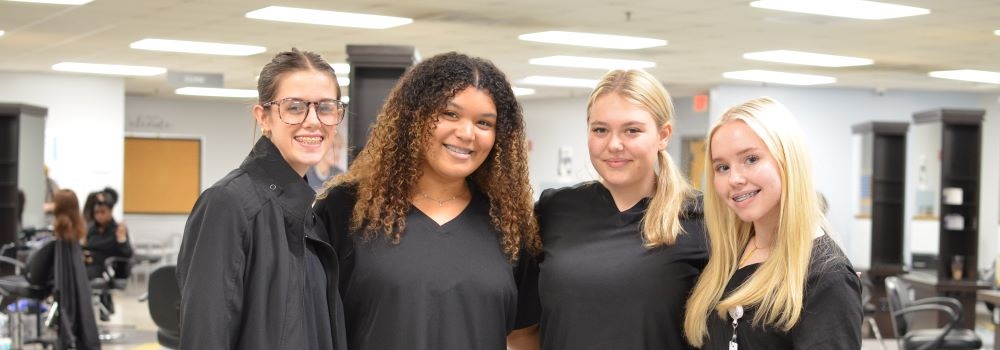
(706, 38)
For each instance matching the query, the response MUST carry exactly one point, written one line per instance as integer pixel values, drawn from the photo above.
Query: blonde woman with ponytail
(619, 255)
(773, 268)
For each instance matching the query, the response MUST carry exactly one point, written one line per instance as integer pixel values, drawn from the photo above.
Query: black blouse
(598, 286)
(831, 318)
(442, 287)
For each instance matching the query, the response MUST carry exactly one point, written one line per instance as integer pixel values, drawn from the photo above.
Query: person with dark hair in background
(105, 238)
(328, 166)
(255, 270)
(432, 214)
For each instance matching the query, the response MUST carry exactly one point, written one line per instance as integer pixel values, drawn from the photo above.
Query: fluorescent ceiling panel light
(327, 18)
(345, 99)
(216, 92)
(859, 9)
(343, 81)
(520, 91)
(779, 77)
(341, 68)
(559, 81)
(111, 69)
(979, 76)
(593, 40)
(197, 47)
(591, 62)
(807, 58)
(996, 32)
(1, 33)
(56, 2)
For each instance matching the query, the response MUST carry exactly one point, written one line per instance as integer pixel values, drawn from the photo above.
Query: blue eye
(752, 159)
(721, 168)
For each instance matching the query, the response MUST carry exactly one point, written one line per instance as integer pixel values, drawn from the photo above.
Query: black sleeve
(335, 211)
(832, 315)
(529, 305)
(123, 249)
(210, 271)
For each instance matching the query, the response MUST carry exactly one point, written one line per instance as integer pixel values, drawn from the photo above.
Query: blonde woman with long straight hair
(774, 278)
(619, 255)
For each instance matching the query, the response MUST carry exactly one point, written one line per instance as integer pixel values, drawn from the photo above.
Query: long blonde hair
(776, 289)
(660, 223)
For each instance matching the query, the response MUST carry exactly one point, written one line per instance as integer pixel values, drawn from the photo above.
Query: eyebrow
(628, 123)
(454, 105)
(740, 153)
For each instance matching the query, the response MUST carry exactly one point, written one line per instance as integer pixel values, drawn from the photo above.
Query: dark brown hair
(69, 224)
(285, 62)
(387, 169)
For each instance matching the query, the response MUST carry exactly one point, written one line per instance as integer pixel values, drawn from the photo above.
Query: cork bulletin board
(162, 175)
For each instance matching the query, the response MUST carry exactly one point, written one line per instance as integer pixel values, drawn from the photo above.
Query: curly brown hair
(387, 169)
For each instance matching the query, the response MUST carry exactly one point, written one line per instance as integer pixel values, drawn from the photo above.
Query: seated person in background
(328, 166)
(105, 238)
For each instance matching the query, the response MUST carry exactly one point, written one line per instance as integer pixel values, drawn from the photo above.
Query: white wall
(989, 183)
(826, 116)
(225, 129)
(553, 123)
(84, 129)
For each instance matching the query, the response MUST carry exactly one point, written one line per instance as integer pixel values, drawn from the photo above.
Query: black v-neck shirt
(599, 287)
(831, 315)
(443, 287)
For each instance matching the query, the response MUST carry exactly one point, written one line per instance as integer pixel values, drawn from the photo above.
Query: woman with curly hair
(432, 215)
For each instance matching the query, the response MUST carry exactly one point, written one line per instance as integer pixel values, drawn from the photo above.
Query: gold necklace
(439, 202)
(753, 241)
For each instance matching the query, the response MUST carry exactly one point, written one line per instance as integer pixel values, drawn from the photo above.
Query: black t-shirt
(599, 287)
(831, 316)
(442, 287)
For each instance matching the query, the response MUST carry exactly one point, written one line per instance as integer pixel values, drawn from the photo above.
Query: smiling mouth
(461, 151)
(311, 140)
(745, 196)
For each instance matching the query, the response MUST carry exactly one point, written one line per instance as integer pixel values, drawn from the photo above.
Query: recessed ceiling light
(216, 92)
(327, 18)
(341, 68)
(111, 69)
(591, 62)
(520, 91)
(56, 2)
(559, 81)
(859, 9)
(201, 47)
(593, 40)
(979, 76)
(1, 33)
(996, 32)
(345, 99)
(807, 58)
(779, 77)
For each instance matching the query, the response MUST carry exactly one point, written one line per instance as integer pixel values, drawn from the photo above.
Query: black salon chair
(165, 306)
(869, 307)
(903, 306)
(114, 277)
(32, 280)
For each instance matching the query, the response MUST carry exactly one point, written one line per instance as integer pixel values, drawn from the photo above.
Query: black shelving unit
(12, 116)
(375, 69)
(887, 157)
(960, 155)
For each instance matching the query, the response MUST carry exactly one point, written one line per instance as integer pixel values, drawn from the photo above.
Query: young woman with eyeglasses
(255, 268)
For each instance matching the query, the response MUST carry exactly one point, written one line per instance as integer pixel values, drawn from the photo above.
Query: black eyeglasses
(293, 111)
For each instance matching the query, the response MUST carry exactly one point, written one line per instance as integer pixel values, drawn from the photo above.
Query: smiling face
(745, 174)
(301, 145)
(462, 137)
(623, 141)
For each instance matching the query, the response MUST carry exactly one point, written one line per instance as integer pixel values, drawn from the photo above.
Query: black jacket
(102, 243)
(240, 266)
(77, 327)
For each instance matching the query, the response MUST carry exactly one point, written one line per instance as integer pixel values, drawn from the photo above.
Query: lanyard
(736, 313)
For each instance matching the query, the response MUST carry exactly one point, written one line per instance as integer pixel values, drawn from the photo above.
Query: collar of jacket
(271, 172)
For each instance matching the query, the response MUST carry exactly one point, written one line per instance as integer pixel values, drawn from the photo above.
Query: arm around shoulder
(210, 271)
